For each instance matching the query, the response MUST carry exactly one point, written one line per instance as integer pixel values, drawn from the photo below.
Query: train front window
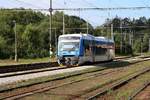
(69, 46)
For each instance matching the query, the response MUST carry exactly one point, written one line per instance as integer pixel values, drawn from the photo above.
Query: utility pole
(16, 55)
(141, 46)
(125, 38)
(121, 37)
(56, 41)
(50, 30)
(63, 23)
(149, 44)
(112, 33)
(107, 29)
(64, 19)
(130, 38)
(87, 31)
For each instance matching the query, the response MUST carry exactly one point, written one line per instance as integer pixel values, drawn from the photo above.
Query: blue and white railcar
(76, 49)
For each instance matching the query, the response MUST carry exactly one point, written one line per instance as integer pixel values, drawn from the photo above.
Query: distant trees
(26, 33)
(131, 30)
(33, 32)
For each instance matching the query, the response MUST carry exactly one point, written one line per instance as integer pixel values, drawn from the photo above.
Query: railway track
(88, 77)
(142, 93)
(64, 84)
(9, 74)
(15, 70)
(130, 89)
(34, 66)
(25, 67)
(117, 84)
(30, 71)
(139, 90)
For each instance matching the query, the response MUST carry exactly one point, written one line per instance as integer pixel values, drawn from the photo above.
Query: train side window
(100, 51)
(86, 45)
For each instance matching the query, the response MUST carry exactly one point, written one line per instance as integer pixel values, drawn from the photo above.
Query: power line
(126, 27)
(84, 9)
(91, 4)
(103, 9)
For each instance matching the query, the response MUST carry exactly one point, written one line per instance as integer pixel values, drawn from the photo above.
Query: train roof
(84, 36)
(89, 37)
(103, 39)
(66, 35)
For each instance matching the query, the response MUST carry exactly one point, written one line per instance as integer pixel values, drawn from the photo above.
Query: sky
(95, 17)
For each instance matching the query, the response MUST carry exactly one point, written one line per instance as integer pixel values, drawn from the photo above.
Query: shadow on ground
(111, 64)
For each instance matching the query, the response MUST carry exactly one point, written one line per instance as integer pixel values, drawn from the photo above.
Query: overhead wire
(80, 9)
(88, 8)
(104, 9)
(91, 4)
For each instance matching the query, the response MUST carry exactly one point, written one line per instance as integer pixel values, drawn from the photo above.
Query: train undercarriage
(68, 61)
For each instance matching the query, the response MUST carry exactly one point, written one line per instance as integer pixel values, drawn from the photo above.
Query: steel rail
(53, 87)
(137, 91)
(24, 67)
(22, 70)
(30, 71)
(3, 75)
(47, 88)
(118, 83)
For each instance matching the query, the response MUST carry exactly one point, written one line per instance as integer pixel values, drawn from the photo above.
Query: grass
(143, 53)
(146, 54)
(135, 54)
(123, 95)
(25, 61)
